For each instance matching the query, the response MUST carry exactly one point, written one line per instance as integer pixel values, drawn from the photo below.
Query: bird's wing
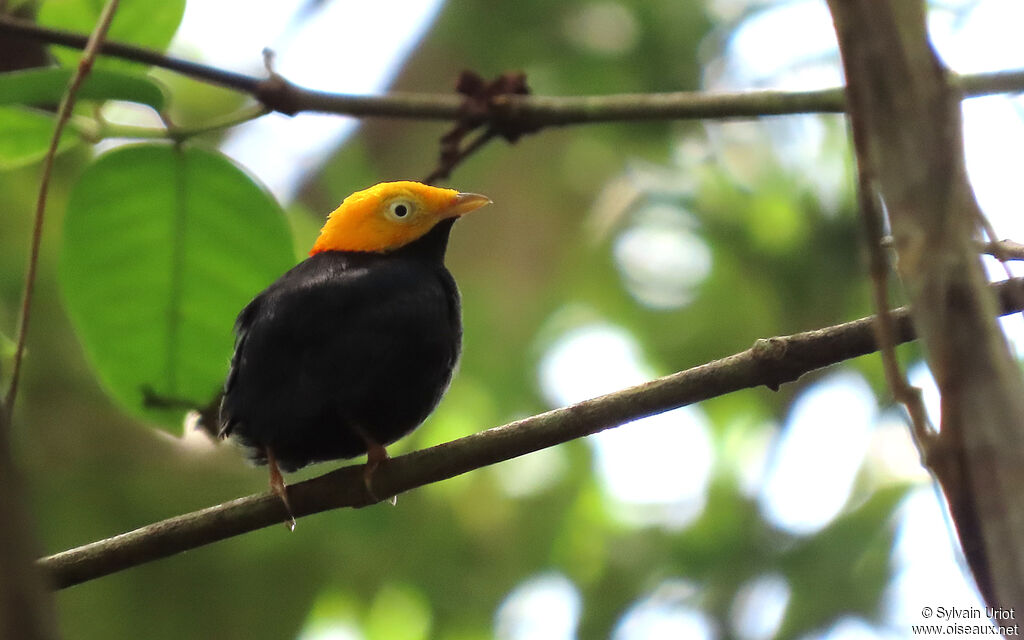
(242, 325)
(281, 337)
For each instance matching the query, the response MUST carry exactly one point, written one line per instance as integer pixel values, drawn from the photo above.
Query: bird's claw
(278, 487)
(375, 456)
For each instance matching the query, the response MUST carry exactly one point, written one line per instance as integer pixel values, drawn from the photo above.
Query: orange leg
(376, 454)
(277, 486)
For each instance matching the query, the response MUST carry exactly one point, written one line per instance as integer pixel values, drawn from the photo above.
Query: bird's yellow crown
(390, 215)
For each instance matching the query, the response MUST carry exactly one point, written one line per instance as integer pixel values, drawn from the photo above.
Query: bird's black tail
(209, 418)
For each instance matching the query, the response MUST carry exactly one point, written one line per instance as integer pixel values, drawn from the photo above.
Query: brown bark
(905, 115)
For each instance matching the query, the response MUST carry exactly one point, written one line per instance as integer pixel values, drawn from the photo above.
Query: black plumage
(345, 351)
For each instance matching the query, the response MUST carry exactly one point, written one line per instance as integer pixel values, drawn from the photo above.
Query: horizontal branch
(279, 94)
(1004, 250)
(770, 363)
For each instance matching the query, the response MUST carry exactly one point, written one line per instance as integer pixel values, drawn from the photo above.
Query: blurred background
(614, 253)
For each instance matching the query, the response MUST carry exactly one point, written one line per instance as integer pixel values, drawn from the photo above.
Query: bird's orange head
(391, 215)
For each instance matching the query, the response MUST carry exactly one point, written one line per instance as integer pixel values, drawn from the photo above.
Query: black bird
(354, 347)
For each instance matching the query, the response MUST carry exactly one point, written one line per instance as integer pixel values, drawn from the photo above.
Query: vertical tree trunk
(26, 607)
(906, 122)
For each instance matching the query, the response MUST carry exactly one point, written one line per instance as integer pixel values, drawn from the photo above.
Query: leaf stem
(95, 129)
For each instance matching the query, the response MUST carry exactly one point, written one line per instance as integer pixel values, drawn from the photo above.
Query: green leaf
(140, 22)
(25, 136)
(162, 249)
(47, 87)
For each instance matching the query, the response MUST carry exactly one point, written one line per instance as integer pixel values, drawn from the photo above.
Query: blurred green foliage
(189, 237)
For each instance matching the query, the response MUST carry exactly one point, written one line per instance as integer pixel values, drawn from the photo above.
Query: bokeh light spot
(664, 460)
(607, 28)
(819, 453)
(661, 259)
(546, 607)
(759, 607)
(667, 614)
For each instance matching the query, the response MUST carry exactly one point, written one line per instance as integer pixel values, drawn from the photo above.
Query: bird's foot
(375, 456)
(277, 486)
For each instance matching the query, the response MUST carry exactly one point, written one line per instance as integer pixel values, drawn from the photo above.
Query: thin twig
(873, 224)
(32, 31)
(279, 94)
(446, 165)
(63, 114)
(769, 363)
(1000, 250)
(993, 247)
(227, 121)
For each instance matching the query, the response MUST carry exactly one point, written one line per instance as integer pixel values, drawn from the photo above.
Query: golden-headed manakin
(352, 348)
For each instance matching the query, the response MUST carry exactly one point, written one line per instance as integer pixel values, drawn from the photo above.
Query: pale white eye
(400, 209)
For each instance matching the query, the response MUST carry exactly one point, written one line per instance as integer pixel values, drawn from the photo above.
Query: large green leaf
(162, 248)
(141, 22)
(47, 86)
(25, 136)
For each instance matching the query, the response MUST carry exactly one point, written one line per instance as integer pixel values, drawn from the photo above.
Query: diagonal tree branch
(770, 362)
(278, 94)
